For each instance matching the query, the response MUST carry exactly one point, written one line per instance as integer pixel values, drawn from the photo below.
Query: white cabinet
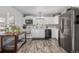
(38, 33)
(56, 19)
(38, 20)
(54, 32)
(49, 20)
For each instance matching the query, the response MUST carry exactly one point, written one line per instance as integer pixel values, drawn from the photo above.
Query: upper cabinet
(56, 19)
(46, 20)
(38, 20)
(43, 20)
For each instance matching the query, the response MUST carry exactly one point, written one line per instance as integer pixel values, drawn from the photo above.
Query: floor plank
(41, 46)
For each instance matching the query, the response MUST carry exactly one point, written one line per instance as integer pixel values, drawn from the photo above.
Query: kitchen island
(12, 42)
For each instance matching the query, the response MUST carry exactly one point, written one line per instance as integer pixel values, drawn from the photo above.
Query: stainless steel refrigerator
(69, 30)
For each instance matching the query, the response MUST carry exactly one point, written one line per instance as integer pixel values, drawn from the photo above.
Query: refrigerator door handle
(62, 26)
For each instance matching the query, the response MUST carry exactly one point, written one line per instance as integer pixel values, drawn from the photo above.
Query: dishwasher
(48, 33)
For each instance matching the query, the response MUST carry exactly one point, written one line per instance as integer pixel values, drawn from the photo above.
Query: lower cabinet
(38, 33)
(12, 43)
(0, 44)
(8, 44)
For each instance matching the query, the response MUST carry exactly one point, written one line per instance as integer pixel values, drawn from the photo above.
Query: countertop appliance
(69, 30)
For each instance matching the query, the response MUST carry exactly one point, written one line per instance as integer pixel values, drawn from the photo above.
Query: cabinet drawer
(7, 40)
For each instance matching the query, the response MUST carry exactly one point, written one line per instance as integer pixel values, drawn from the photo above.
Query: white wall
(18, 16)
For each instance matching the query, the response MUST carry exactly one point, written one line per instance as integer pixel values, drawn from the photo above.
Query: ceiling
(40, 10)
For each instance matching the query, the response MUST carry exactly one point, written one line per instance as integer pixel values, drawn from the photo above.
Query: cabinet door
(8, 43)
(0, 44)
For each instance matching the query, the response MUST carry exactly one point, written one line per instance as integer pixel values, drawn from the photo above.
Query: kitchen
(33, 29)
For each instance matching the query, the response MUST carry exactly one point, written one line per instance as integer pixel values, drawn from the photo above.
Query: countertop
(11, 34)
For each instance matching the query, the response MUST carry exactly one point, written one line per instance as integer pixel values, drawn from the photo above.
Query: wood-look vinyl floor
(41, 46)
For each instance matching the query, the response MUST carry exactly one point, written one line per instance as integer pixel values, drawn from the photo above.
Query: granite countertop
(11, 34)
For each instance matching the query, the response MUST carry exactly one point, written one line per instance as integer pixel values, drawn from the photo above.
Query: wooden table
(15, 37)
